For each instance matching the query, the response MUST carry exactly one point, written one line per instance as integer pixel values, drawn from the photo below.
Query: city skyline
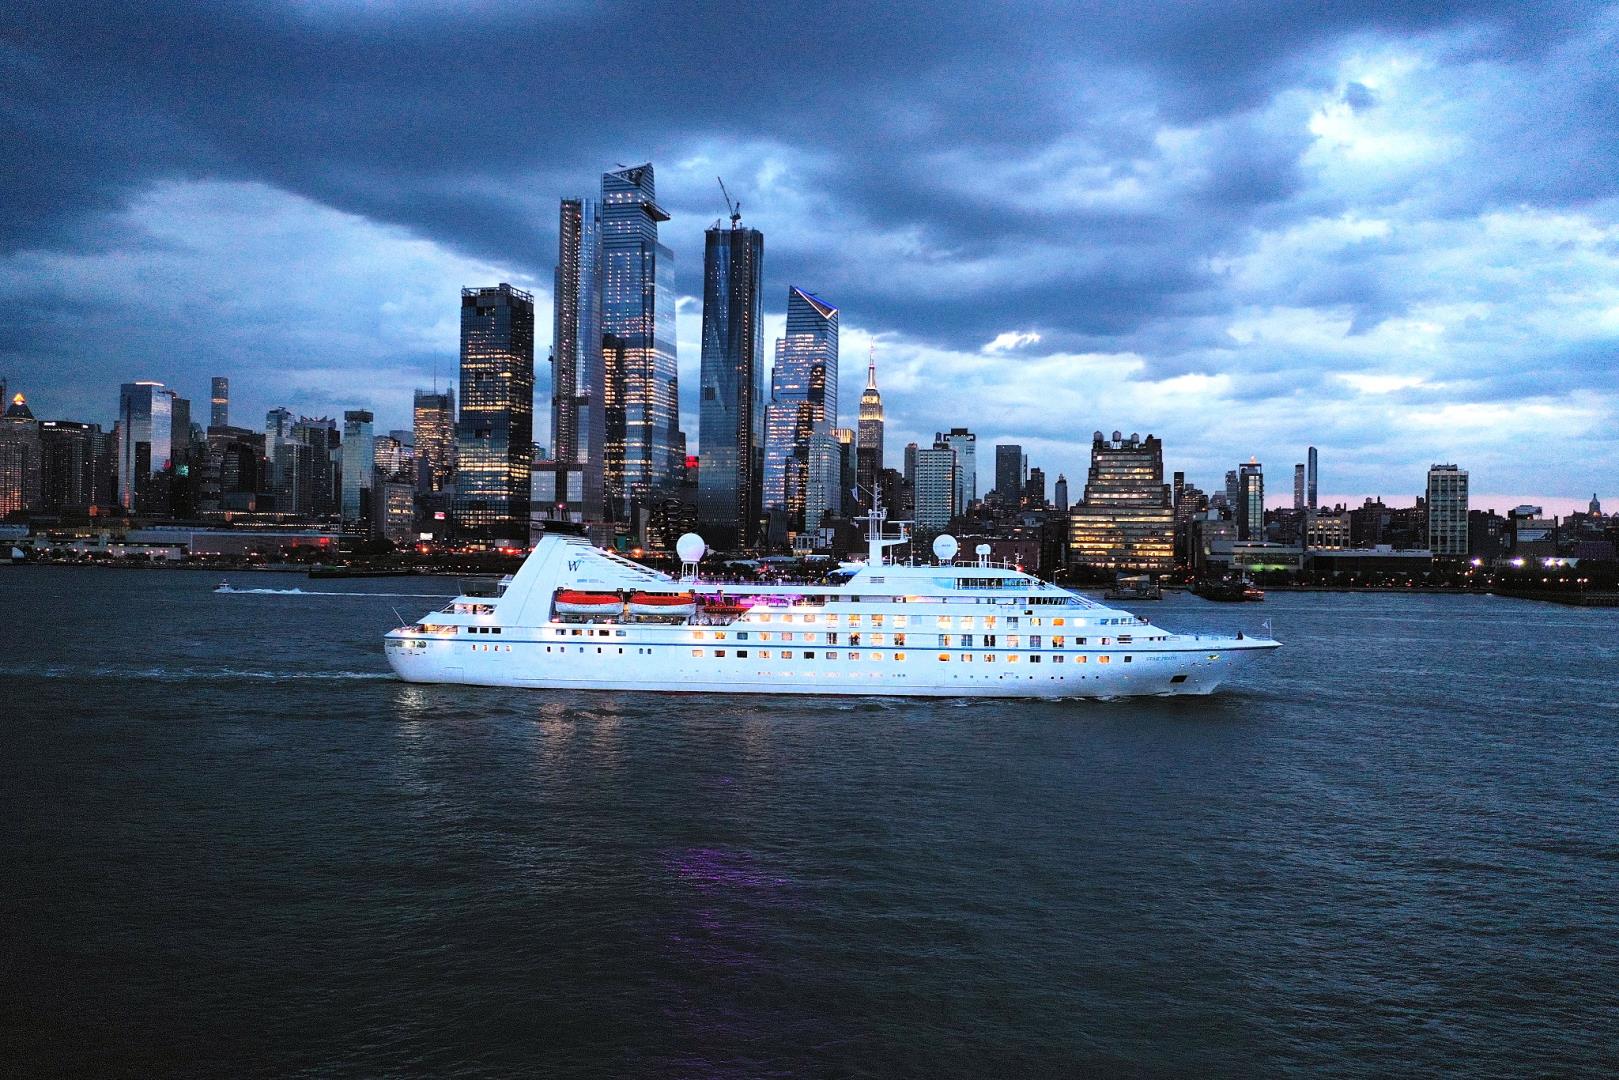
(1388, 236)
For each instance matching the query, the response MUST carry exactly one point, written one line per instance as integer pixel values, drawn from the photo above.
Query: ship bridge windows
(978, 583)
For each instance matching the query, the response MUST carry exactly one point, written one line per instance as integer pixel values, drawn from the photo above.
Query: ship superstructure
(578, 617)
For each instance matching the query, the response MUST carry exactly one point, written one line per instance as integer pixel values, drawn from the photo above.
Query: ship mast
(876, 541)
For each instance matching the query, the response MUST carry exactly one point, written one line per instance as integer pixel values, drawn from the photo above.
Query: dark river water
(235, 846)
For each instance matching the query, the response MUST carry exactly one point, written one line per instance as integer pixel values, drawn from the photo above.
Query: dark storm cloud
(458, 124)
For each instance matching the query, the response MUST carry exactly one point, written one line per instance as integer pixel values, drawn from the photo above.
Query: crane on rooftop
(734, 207)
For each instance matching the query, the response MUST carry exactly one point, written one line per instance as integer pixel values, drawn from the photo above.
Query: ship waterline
(888, 629)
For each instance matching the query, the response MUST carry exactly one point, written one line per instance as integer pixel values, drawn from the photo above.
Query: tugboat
(581, 618)
(1221, 590)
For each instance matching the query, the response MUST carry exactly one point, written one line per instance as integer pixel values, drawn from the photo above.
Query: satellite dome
(983, 549)
(945, 547)
(690, 547)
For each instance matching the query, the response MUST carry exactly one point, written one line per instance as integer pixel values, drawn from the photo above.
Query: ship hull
(1097, 674)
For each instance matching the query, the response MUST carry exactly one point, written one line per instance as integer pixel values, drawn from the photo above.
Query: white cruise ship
(575, 616)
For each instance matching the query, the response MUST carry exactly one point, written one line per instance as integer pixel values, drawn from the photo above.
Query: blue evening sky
(1388, 229)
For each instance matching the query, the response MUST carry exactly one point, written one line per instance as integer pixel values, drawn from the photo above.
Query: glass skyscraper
(359, 462)
(1251, 501)
(731, 409)
(433, 421)
(494, 438)
(151, 422)
(802, 459)
(1011, 466)
(578, 375)
(219, 402)
(965, 444)
(642, 390)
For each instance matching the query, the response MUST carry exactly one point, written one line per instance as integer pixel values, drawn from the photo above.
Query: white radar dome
(945, 547)
(983, 549)
(690, 547)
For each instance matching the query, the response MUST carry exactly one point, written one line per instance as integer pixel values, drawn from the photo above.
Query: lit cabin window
(854, 656)
(1082, 659)
(944, 658)
(697, 652)
(899, 656)
(902, 621)
(1057, 622)
(719, 652)
(989, 658)
(878, 639)
(698, 635)
(831, 656)
(943, 622)
(1104, 659)
(1011, 658)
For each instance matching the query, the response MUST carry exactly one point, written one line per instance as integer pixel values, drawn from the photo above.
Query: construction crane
(734, 207)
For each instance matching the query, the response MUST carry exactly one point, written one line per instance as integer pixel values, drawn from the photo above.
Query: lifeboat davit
(668, 605)
(569, 602)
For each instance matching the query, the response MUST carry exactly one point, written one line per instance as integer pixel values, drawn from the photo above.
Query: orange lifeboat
(721, 605)
(668, 605)
(569, 602)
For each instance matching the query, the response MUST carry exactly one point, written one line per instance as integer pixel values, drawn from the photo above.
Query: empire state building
(869, 436)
